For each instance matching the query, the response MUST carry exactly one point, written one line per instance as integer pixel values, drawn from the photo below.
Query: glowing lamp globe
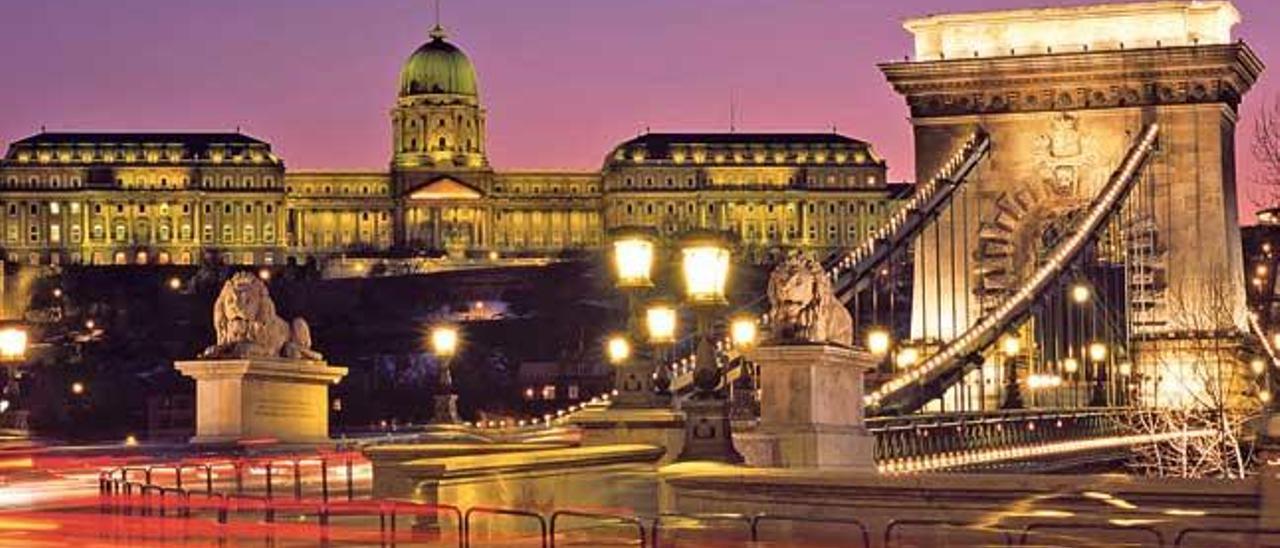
(1011, 345)
(1126, 369)
(1080, 293)
(660, 319)
(743, 332)
(705, 264)
(1257, 366)
(13, 343)
(444, 341)
(879, 341)
(1097, 352)
(619, 349)
(1070, 366)
(633, 259)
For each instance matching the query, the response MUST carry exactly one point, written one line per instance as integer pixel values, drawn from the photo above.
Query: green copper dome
(438, 67)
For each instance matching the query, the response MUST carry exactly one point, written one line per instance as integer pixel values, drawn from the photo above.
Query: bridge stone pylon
(1063, 92)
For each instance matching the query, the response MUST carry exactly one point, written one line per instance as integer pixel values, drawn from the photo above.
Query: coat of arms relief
(1066, 168)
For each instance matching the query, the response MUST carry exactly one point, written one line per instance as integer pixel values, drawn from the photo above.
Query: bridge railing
(916, 438)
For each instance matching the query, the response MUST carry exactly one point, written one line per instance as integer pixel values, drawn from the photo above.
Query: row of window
(145, 257)
(141, 181)
(748, 180)
(55, 208)
(832, 208)
(142, 233)
(780, 157)
(303, 190)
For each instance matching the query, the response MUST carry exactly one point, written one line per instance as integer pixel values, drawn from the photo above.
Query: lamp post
(1011, 346)
(705, 265)
(444, 344)
(633, 258)
(743, 398)
(14, 343)
(1071, 367)
(1098, 357)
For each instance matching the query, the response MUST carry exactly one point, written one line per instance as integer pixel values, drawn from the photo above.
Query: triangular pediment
(444, 188)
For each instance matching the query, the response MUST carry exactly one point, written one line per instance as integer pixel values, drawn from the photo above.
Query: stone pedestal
(708, 435)
(281, 399)
(663, 427)
(811, 412)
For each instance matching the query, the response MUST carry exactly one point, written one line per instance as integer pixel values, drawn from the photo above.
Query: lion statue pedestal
(811, 411)
(260, 379)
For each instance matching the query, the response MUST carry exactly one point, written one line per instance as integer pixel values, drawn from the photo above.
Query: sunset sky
(563, 80)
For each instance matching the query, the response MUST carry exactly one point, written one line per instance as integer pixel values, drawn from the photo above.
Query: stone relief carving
(247, 326)
(803, 307)
(1067, 167)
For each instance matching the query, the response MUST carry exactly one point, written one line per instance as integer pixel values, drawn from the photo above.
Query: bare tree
(1266, 151)
(1200, 387)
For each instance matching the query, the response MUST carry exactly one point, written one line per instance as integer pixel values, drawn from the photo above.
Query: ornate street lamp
(633, 252)
(444, 344)
(705, 265)
(633, 259)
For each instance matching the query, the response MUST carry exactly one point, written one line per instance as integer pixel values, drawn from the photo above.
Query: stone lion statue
(245, 320)
(803, 306)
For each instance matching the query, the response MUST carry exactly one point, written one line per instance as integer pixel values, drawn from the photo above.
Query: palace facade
(145, 198)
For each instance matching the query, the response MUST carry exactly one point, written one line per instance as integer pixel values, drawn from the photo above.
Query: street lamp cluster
(704, 265)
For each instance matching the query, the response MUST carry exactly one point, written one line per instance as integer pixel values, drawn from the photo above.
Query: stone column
(811, 411)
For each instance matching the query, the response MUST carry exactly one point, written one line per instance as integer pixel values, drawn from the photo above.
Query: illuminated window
(549, 392)
(55, 233)
(228, 233)
(120, 233)
(75, 234)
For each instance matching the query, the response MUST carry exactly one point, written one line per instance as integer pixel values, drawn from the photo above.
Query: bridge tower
(1063, 92)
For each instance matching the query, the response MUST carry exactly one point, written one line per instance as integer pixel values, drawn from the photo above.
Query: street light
(1070, 366)
(660, 321)
(619, 349)
(1097, 352)
(175, 283)
(879, 341)
(1011, 345)
(444, 341)
(705, 266)
(444, 344)
(77, 388)
(633, 258)
(13, 343)
(743, 332)
(1257, 366)
(1080, 293)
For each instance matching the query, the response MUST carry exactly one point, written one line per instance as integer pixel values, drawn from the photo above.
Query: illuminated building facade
(144, 198)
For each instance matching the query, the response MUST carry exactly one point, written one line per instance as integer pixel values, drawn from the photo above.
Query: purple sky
(563, 80)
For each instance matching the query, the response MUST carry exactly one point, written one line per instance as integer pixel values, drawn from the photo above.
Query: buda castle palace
(183, 198)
